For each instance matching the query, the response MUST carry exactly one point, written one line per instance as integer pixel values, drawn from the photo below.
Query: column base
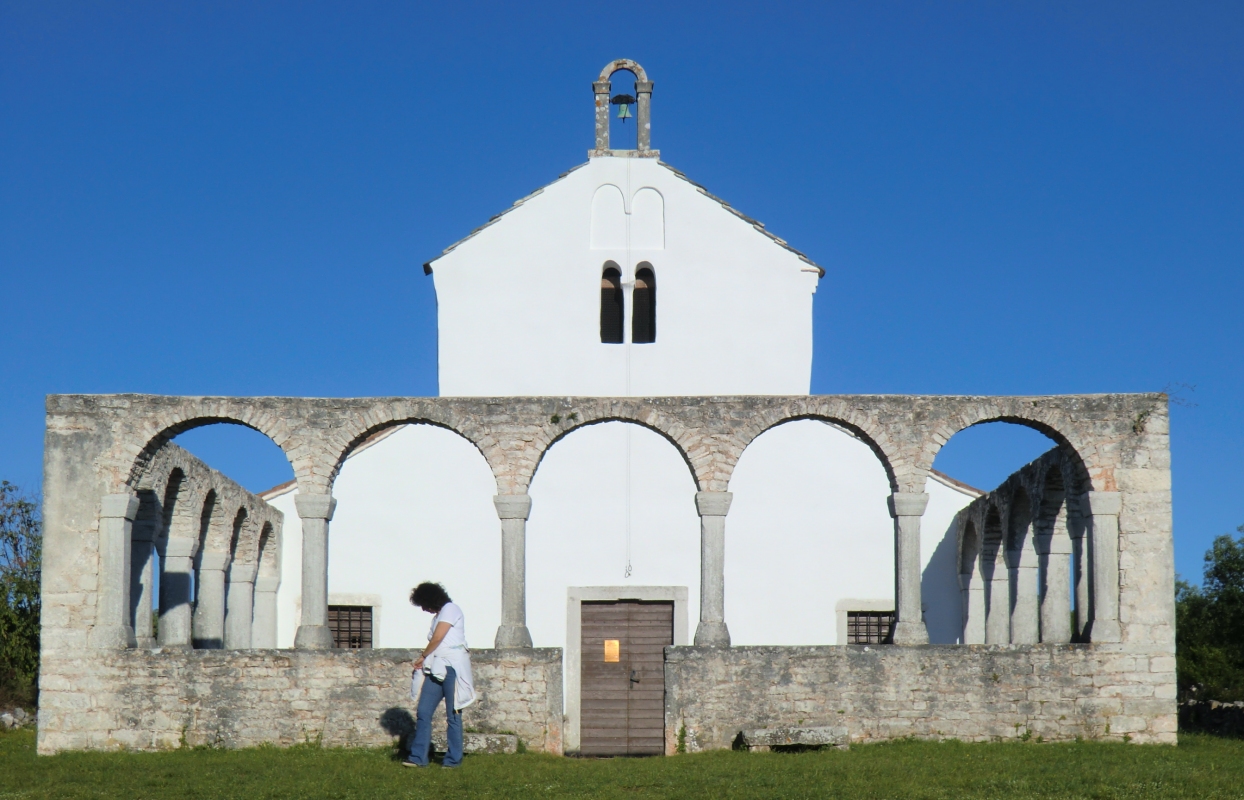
(908, 633)
(513, 636)
(1106, 630)
(712, 634)
(113, 637)
(313, 637)
(146, 643)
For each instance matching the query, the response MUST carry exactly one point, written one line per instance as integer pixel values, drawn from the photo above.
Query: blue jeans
(429, 696)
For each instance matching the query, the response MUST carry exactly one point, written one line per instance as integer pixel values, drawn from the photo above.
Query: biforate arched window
(644, 319)
(611, 304)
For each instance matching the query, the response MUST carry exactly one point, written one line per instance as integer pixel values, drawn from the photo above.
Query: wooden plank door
(622, 708)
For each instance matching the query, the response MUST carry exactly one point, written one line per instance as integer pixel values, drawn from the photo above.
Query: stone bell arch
(643, 111)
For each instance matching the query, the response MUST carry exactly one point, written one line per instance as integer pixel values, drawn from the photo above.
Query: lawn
(1200, 767)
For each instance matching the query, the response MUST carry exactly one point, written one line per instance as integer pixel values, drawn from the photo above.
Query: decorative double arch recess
(1103, 438)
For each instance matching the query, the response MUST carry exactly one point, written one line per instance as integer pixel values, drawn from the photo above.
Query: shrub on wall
(21, 543)
(1209, 626)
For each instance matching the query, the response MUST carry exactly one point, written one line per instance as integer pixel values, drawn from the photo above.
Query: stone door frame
(573, 665)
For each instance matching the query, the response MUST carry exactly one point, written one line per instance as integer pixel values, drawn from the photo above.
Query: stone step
(768, 738)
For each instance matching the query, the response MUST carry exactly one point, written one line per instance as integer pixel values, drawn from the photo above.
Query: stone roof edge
(427, 265)
(757, 224)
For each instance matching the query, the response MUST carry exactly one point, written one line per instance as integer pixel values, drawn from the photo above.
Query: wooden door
(622, 704)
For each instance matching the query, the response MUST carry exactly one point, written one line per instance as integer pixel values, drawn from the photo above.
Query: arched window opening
(623, 108)
(612, 304)
(644, 316)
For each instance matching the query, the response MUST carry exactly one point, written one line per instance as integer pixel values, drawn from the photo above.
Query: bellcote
(643, 111)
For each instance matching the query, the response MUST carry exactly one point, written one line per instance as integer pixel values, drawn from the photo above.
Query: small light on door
(612, 651)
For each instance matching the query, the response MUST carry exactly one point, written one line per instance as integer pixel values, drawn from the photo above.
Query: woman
(445, 668)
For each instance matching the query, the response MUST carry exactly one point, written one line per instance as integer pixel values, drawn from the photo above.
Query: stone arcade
(1049, 601)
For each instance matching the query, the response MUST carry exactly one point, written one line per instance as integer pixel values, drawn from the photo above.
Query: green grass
(1200, 767)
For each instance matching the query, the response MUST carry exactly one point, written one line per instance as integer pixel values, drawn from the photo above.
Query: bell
(624, 111)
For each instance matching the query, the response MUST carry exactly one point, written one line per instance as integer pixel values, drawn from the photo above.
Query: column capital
(512, 506)
(213, 561)
(267, 583)
(908, 504)
(601, 87)
(315, 506)
(180, 547)
(713, 504)
(119, 506)
(1096, 503)
(643, 87)
(242, 573)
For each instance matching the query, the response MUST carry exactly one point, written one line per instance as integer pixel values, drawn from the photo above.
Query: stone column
(973, 594)
(1055, 555)
(239, 611)
(643, 115)
(315, 510)
(209, 608)
(112, 629)
(601, 90)
(712, 507)
(263, 629)
(907, 508)
(1103, 509)
(175, 597)
(142, 581)
(514, 509)
(1025, 608)
(998, 611)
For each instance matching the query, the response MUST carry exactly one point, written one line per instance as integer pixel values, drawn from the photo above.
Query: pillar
(112, 629)
(998, 602)
(973, 593)
(1055, 555)
(1103, 510)
(601, 90)
(263, 629)
(142, 581)
(907, 508)
(175, 597)
(239, 611)
(315, 510)
(209, 608)
(643, 114)
(514, 509)
(712, 507)
(1025, 607)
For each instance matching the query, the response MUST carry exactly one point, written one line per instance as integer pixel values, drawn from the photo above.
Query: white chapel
(623, 277)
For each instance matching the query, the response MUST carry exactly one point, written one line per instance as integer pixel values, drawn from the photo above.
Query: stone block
(767, 738)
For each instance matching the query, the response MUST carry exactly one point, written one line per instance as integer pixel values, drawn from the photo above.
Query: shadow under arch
(836, 422)
(1079, 468)
(142, 463)
(682, 452)
(380, 430)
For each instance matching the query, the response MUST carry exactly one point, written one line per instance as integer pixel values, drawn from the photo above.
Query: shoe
(408, 763)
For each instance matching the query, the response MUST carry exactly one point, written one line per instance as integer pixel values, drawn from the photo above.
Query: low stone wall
(968, 692)
(1210, 716)
(153, 699)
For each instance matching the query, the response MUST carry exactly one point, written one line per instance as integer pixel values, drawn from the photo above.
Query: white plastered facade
(613, 504)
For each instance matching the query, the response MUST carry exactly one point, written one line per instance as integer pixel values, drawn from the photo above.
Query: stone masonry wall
(153, 699)
(967, 692)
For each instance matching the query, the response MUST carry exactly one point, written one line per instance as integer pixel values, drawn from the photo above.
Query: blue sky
(236, 198)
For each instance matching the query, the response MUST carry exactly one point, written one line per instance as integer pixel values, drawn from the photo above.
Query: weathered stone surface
(968, 692)
(478, 742)
(153, 699)
(766, 738)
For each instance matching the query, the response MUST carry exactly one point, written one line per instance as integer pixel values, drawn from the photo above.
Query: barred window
(870, 627)
(351, 626)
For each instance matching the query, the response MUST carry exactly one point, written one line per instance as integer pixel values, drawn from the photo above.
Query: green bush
(21, 546)
(1209, 626)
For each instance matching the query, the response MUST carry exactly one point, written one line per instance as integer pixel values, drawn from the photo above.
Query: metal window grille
(870, 627)
(351, 626)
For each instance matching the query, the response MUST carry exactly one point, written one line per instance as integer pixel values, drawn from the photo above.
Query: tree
(21, 551)
(1209, 625)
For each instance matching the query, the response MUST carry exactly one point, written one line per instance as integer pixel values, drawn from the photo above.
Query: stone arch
(160, 430)
(483, 443)
(862, 429)
(619, 64)
(526, 476)
(269, 546)
(1062, 430)
(1019, 522)
(970, 548)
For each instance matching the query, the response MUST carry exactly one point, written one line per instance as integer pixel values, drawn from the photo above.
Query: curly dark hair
(431, 596)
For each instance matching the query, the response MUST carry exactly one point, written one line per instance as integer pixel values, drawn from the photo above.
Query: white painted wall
(519, 302)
